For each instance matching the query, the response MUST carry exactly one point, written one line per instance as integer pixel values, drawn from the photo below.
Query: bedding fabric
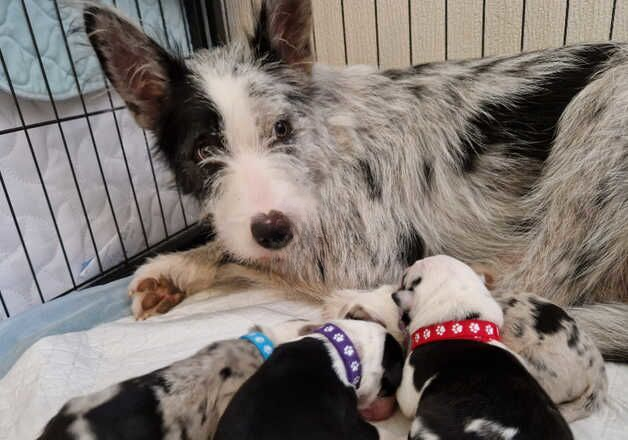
(62, 366)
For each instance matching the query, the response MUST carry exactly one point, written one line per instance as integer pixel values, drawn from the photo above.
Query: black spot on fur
(428, 175)
(574, 336)
(472, 315)
(138, 401)
(584, 262)
(184, 431)
(590, 402)
(58, 427)
(525, 126)
(372, 182)
(512, 302)
(202, 410)
(321, 268)
(225, 373)
(411, 248)
(392, 363)
(548, 317)
(416, 282)
(518, 329)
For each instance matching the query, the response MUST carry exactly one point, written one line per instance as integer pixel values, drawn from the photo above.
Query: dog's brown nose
(272, 230)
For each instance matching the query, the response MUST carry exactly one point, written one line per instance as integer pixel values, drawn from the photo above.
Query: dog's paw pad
(154, 296)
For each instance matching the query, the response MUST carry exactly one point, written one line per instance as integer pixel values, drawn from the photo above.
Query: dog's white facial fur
(257, 177)
(441, 288)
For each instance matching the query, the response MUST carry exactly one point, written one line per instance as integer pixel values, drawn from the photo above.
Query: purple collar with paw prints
(347, 351)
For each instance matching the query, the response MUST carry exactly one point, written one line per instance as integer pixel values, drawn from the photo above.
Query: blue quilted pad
(20, 52)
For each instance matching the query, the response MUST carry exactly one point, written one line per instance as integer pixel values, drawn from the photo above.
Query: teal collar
(261, 342)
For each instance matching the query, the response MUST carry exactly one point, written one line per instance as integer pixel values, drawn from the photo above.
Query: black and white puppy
(471, 386)
(181, 401)
(311, 389)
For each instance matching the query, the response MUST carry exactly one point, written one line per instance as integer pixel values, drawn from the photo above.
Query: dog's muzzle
(272, 230)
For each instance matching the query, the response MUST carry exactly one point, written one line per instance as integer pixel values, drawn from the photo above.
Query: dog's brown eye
(282, 129)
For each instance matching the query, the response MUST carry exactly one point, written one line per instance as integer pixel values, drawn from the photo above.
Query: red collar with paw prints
(469, 329)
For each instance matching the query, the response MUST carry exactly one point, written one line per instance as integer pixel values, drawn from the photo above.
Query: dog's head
(441, 288)
(232, 122)
(382, 364)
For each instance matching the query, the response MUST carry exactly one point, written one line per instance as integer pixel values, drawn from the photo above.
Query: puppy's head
(365, 305)
(382, 363)
(441, 288)
(233, 122)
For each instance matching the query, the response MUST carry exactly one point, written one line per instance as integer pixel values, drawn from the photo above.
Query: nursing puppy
(316, 178)
(181, 401)
(316, 387)
(555, 350)
(459, 382)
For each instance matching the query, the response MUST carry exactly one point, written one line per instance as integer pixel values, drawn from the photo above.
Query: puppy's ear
(359, 313)
(283, 33)
(139, 69)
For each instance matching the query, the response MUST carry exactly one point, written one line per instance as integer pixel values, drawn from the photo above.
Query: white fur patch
(489, 429)
(417, 428)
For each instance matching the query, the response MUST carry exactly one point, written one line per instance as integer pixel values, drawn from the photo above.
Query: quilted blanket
(62, 366)
(20, 52)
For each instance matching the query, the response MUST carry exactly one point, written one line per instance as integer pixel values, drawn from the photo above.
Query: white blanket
(60, 367)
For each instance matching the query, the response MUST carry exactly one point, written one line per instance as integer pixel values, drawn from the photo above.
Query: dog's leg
(578, 249)
(167, 279)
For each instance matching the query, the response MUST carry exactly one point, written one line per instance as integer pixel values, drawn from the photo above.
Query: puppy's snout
(272, 230)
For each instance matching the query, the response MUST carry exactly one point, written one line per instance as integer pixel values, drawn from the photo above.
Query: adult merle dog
(316, 178)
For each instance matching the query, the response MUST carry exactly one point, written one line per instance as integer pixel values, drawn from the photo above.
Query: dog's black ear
(283, 32)
(140, 70)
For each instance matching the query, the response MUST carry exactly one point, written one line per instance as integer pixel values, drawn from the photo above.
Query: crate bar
(21, 237)
(376, 34)
(132, 260)
(150, 156)
(410, 30)
(523, 24)
(4, 306)
(188, 38)
(610, 32)
(566, 22)
(90, 129)
(62, 133)
(483, 26)
(54, 121)
(344, 30)
(446, 29)
(37, 169)
(163, 24)
(115, 120)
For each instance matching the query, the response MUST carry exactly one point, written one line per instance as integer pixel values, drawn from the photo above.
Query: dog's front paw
(153, 296)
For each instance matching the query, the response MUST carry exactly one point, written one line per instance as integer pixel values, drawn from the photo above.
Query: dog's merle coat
(466, 389)
(515, 164)
(299, 394)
